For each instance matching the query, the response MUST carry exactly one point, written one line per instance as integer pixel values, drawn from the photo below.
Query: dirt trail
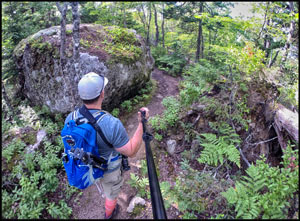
(92, 204)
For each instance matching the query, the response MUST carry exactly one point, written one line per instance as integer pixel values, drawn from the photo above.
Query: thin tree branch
(261, 142)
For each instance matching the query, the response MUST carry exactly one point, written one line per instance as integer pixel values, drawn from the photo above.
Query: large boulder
(119, 54)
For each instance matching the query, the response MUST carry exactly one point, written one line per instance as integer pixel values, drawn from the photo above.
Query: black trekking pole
(158, 207)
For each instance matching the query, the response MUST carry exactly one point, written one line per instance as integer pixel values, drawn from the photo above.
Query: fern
(265, 191)
(216, 150)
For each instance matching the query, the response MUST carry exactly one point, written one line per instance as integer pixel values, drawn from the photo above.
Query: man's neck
(93, 106)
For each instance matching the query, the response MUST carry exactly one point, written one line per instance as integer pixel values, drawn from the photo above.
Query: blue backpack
(81, 158)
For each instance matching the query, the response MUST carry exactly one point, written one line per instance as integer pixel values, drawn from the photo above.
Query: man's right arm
(134, 144)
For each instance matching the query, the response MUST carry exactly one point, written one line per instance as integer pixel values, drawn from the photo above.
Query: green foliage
(85, 43)
(173, 64)
(69, 32)
(31, 177)
(192, 191)
(115, 112)
(265, 191)
(158, 137)
(13, 148)
(127, 105)
(157, 52)
(123, 45)
(141, 184)
(171, 114)
(288, 95)
(196, 79)
(217, 150)
(60, 210)
(141, 99)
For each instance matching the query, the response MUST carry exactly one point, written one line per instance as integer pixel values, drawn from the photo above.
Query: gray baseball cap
(91, 85)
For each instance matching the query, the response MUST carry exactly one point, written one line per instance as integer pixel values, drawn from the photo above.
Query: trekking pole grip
(144, 120)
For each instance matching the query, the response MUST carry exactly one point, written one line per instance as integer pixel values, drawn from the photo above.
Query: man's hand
(140, 114)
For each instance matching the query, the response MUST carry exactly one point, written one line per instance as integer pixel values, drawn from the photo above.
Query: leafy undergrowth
(211, 121)
(34, 184)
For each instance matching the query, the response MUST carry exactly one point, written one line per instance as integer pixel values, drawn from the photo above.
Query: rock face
(119, 54)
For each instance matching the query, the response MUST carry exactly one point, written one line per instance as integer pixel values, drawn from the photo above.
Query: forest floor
(91, 202)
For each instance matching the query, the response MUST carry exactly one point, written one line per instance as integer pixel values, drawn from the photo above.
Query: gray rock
(135, 201)
(197, 107)
(171, 146)
(43, 83)
(39, 137)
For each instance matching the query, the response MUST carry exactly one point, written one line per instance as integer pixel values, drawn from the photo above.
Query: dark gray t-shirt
(112, 129)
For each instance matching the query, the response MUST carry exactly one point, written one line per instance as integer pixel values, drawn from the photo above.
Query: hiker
(91, 91)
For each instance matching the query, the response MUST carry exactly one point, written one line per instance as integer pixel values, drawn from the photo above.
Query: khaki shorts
(111, 184)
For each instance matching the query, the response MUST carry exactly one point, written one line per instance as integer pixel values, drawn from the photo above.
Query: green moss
(137, 210)
(39, 45)
(123, 46)
(69, 32)
(29, 138)
(85, 43)
(18, 51)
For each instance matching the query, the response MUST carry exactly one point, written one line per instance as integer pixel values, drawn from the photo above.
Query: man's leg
(111, 185)
(110, 205)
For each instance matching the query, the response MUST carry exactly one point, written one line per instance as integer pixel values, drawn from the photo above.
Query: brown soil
(91, 203)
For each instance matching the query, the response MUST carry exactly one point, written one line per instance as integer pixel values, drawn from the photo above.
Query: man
(91, 91)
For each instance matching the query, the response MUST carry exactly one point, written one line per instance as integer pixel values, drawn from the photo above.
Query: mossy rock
(30, 138)
(138, 209)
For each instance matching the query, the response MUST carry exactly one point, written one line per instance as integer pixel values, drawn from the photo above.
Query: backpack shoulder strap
(85, 112)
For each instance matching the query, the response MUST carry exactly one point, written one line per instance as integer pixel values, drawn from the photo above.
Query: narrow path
(91, 203)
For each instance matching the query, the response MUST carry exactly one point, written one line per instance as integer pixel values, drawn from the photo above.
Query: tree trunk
(76, 36)
(63, 12)
(285, 122)
(267, 43)
(124, 17)
(48, 25)
(199, 39)
(156, 26)
(202, 45)
(141, 17)
(272, 61)
(148, 31)
(163, 26)
(289, 38)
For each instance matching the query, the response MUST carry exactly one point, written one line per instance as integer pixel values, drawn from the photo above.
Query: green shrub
(141, 184)
(13, 148)
(171, 113)
(157, 52)
(31, 177)
(265, 191)
(218, 150)
(173, 63)
(192, 191)
(127, 106)
(115, 112)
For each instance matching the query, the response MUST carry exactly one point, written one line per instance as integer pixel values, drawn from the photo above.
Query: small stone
(171, 145)
(159, 96)
(252, 125)
(135, 201)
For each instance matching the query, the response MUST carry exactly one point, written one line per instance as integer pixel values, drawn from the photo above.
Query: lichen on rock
(126, 62)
